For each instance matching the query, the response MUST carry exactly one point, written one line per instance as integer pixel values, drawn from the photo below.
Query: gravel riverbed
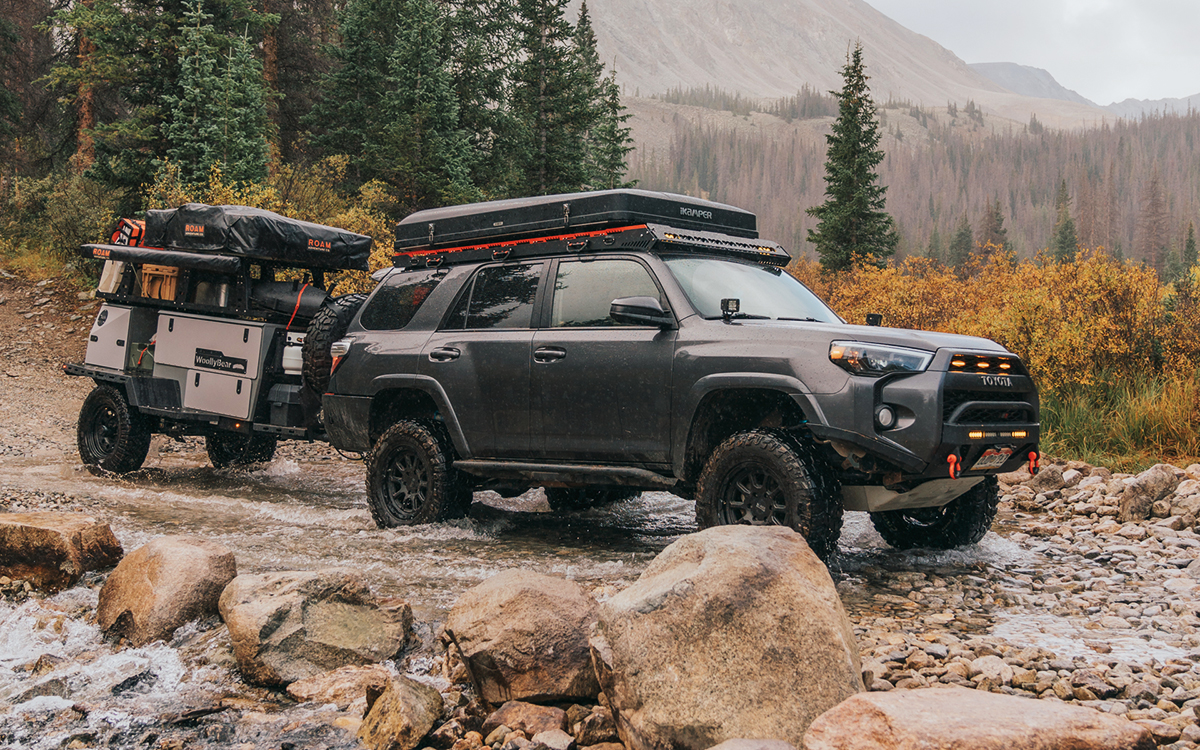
(1060, 601)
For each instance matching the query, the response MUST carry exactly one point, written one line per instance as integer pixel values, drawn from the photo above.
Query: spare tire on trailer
(328, 325)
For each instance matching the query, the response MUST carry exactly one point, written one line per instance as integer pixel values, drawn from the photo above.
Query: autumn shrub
(1113, 351)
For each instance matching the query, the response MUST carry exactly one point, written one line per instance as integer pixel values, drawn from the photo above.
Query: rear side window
(398, 300)
(498, 297)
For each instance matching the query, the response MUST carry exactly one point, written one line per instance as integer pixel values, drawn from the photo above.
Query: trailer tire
(110, 434)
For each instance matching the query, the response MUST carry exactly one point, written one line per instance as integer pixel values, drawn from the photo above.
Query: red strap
(298, 296)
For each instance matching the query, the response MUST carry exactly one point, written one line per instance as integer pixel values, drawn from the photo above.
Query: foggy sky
(1106, 50)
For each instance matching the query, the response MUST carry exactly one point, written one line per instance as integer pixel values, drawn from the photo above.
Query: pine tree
(133, 65)
(992, 233)
(1189, 247)
(1064, 243)
(935, 251)
(220, 115)
(961, 244)
(1152, 225)
(346, 119)
(422, 152)
(852, 223)
(551, 107)
(610, 141)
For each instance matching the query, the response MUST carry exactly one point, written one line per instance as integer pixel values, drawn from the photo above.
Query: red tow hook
(1035, 462)
(955, 468)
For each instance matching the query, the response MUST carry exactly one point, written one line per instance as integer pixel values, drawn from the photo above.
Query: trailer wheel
(110, 434)
(227, 449)
(767, 477)
(329, 324)
(410, 480)
(962, 521)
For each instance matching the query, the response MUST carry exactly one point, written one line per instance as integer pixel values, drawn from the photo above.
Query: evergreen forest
(359, 111)
(958, 181)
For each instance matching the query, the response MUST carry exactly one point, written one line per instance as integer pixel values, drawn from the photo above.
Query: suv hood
(928, 340)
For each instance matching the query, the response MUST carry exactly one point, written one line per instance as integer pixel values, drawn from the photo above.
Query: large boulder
(526, 637)
(735, 632)
(291, 625)
(1147, 488)
(52, 550)
(162, 585)
(401, 716)
(968, 720)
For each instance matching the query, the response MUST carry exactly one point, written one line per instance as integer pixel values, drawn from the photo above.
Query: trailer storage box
(547, 216)
(258, 235)
(159, 282)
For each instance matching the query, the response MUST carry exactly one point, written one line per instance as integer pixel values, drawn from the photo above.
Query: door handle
(549, 354)
(444, 354)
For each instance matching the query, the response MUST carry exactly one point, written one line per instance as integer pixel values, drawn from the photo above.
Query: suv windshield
(764, 291)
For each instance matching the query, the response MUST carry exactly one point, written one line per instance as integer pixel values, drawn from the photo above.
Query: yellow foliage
(1071, 322)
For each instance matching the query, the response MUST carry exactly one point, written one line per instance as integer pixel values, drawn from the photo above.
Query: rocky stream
(1086, 591)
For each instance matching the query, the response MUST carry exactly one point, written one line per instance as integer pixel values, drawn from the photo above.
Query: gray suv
(601, 344)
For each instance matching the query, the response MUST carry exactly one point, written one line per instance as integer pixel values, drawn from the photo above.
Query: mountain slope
(1028, 81)
(770, 48)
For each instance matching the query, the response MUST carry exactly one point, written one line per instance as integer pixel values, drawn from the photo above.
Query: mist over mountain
(771, 48)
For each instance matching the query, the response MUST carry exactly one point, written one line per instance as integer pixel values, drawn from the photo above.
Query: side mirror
(640, 311)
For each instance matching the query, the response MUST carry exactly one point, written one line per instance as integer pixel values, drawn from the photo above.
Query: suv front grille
(986, 407)
(990, 364)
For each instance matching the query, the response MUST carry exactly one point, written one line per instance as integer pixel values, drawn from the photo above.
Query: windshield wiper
(806, 320)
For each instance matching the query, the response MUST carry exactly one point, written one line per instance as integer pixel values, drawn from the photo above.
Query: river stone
(342, 686)
(163, 584)
(52, 550)
(526, 717)
(1048, 479)
(1151, 485)
(713, 639)
(401, 716)
(968, 720)
(526, 637)
(293, 625)
(742, 744)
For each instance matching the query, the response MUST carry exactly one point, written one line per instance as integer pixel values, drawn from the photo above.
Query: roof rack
(642, 237)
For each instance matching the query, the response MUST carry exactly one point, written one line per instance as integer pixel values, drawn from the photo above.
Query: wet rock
(525, 635)
(342, 686)
(1151, 485)
(992, 668)
(52, 550)
(968, 720)
(553, 739)
(719, 626)
(741, 744)
(598, 726)
(526, 717)
(401, 716)
(1048, 479)
(163, 584)
(292, 625)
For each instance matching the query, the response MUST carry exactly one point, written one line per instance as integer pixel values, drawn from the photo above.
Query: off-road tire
(580, 498)
(410, 479)
(226, 449)
(958, 523)
(109, 434)
(329, 324)
(768, 477)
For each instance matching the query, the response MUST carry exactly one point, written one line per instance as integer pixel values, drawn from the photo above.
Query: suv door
(480, 356)
(601, 389)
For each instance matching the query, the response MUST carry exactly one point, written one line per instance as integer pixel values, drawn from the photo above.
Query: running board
(564, 475)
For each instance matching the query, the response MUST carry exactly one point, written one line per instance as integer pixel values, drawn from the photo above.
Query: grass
(1126, 424)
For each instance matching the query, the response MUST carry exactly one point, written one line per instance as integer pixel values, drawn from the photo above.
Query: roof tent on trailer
(605, 220)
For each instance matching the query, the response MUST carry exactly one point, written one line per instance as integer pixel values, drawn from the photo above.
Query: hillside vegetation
(1132, 185)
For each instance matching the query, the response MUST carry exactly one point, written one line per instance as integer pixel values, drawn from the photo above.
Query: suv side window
(398, 300)
(584, 290)
(497, 297)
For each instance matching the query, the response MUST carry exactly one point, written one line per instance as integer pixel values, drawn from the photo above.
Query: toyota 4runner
(600, 344)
